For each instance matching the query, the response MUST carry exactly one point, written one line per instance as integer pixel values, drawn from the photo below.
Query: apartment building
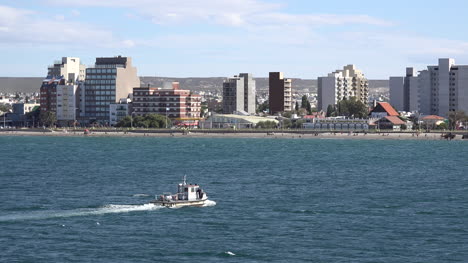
(280, 89)
(342, 84)
(435, 91)
(174, 102)
(110, 79)
(239, 94)
(60, 77)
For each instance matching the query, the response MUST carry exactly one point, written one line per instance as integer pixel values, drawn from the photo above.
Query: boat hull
(177, 204)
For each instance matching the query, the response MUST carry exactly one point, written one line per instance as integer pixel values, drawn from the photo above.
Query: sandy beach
(230, 134)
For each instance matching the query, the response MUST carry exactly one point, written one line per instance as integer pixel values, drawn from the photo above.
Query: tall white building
(239, 94)
(342, 84)
(435, 91)
(66, 102)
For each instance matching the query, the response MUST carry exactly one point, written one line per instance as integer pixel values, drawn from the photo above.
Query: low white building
(217, 121)
(118, 111)
(337, 124)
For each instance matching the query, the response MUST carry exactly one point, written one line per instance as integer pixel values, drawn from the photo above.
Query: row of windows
(88, 77)
(90, 98)
(100, 92)
(101, 87)
(100, 81)
(99, 114)
(99, 103)
(100, 71)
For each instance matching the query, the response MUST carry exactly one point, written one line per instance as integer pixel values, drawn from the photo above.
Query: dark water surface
(83, 200)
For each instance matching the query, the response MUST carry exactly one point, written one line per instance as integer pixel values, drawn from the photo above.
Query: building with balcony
(111, 79)
(67, 101)
(118, 111)
(175, 103)
(437, 90)
(342, 84)
(280, 89)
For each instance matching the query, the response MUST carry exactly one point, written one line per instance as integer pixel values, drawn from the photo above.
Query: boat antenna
(185, 177)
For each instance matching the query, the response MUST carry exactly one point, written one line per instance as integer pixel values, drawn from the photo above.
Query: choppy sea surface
(82, 199)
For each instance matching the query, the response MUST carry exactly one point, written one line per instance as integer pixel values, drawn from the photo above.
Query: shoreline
(276, 135)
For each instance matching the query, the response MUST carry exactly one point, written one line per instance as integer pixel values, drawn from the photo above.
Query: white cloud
(21, 26)
(75, 12)
(248, 13)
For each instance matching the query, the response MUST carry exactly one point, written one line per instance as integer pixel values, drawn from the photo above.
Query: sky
(221, 38)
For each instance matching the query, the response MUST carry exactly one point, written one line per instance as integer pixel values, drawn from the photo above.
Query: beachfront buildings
(175, 103)
(110, 79)
(280, 97)
(435, 91)
(239, 94)
(342, 84)
(62, 74)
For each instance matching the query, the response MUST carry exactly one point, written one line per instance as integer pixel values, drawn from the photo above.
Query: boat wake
(108, 209)
(209, 203)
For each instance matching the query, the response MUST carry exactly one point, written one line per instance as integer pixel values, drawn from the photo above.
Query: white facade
(435, 91)
(342, 84)
(66, 102)
(250, 91)
(70, 68)
(118, 111)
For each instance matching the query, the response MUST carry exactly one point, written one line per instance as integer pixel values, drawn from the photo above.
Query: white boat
(187, 195)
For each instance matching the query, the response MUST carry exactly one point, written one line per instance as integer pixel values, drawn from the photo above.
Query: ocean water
(85, 199)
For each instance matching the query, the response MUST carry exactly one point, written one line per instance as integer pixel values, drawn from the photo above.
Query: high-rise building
(435, 91)
(62, 74)
(66, 103)
(239, 94)
(172, 102)
(69, 68)
(233, 95)
(280, 90)
(342, 84)
(110, 79)
(250, 92)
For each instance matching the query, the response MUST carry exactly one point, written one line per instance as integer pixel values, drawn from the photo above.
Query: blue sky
(174, 38)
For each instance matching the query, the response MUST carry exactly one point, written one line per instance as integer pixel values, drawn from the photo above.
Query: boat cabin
(190, 192)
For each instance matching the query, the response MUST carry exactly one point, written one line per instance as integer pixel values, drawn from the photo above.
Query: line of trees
(147, 121)
(352, 108)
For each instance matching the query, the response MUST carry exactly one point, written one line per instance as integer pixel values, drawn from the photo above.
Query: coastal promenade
(198, 133)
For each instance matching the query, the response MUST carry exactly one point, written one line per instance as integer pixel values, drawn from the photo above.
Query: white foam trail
(230, 253)
(209, 203)
(141, 195)
(109, 209)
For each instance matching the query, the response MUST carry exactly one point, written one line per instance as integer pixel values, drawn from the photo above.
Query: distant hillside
(30, 85)
(25, 85)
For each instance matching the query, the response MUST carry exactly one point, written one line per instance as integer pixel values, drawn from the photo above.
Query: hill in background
(30, 85)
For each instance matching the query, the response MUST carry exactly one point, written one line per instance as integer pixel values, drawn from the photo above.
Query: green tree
(147, 121)
(298, 124)
(331, 111)
(455, 117)
(266, 125)
(352, 108)
(297, 106)
(309, 108)
(5, 107)
(47, 118)
(304, 102)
